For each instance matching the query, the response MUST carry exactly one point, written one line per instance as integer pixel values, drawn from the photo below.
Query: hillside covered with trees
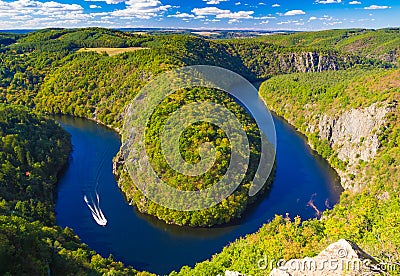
(44, 69)
(34, 150)
(235, 204)
(44, 72)
(368, 216)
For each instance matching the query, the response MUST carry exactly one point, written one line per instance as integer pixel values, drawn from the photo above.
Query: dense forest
(367, 217)
(191, 139)
(45, 72)
(34, 151)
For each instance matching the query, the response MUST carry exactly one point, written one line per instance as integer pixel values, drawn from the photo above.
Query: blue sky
(201, 14)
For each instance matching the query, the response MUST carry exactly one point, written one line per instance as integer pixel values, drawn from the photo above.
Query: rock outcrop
(354, 136)
(340, 258)
(354, 133)
(263, 62)
(117, 163)
(309, 62)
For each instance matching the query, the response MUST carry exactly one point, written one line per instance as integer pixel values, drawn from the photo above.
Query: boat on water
(97, 214)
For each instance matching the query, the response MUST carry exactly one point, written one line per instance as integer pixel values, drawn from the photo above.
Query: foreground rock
(340, 258)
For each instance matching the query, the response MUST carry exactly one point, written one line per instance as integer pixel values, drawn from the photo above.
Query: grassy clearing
(112, 51)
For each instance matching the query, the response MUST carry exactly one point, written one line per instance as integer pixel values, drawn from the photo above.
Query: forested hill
(55, 71)
(367, 216)
(382, 44)
(33, 153)
(44, 69)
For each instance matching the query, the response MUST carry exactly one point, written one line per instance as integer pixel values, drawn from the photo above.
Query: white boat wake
(97, 214)
(90, 194)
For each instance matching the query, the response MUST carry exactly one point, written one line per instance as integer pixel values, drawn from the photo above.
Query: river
(149, 244)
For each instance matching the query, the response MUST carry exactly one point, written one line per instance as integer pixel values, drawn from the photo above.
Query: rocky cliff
(266, 61)
(354, 136)
(309, 62)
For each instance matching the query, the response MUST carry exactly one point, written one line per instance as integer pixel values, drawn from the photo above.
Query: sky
(201, 14)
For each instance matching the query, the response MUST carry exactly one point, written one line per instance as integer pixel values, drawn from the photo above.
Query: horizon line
(196, 29)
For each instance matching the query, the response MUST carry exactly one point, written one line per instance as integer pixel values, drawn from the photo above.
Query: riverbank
(346, 135)
(364, 216)
(34, 150)
(174, 246)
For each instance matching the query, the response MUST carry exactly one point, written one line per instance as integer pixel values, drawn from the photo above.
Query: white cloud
(328, 1)
(262, 4)
(294, 12)
(327, 18)
(376, 7)
(142, 9)
(36, 8)
(211, 20)
(105, 15)
(293, 22)
(74, 16)
(284, 22)
(209, 11)
(21, 17)
(265, 17)
(181, 15)
(333, 23)
(35, 14)
(110, 2)
(219, 13)
(214, 2)
(50, 13)
(236, 15)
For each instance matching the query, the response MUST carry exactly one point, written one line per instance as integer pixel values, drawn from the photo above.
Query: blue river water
(149, 244)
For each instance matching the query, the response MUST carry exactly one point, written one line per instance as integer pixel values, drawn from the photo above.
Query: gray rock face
(354, 136)
(117, 162)
(340, 258)
(308, 62)
(353, 132)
